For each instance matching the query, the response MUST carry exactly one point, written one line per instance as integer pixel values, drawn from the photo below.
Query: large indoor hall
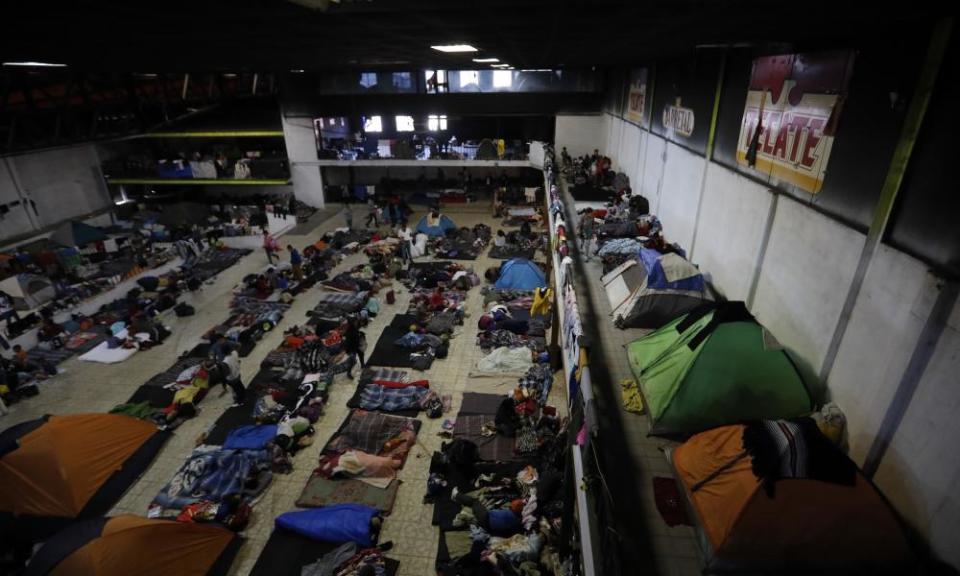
(526, 288)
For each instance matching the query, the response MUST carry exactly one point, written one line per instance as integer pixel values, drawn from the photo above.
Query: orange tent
(808, 526)
(133, 545)
(75, 466)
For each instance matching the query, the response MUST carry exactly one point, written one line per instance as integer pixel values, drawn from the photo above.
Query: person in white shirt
(231, 377)
(406, 237)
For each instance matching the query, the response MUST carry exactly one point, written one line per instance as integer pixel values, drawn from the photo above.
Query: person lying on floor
(141, 323)
(501, 321)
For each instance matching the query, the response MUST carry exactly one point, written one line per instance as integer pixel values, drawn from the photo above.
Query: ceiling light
(536, 70)
(298, 71)
(36, 64)
(499, 65)
(486, 60)
(455, 48)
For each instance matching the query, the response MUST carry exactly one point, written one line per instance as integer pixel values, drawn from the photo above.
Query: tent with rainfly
(130, 544)
(29, 290)
(435, 227)
(520, 274)
(802, 525)
(59, 469)
(77, 234)
(717, 365)
(652, 289)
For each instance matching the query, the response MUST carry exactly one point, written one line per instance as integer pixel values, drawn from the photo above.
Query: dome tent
(809, 524)
(438, 228)
(58, 469)
(716, 365)
(29, 290)
(130, 544)
(77, 234)
(520, 274)
(653, 289)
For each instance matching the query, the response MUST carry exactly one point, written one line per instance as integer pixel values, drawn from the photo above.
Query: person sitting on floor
(501, 240)
(264, 289)
(50, 332)
(437, 300)
(221, 347)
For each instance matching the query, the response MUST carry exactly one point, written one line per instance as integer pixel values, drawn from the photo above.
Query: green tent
(716, 365)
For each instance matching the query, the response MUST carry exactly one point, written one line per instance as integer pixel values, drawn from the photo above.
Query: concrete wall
(733, 218)
(64, 183)
(798, 265)
(580, 134)
(301, 143)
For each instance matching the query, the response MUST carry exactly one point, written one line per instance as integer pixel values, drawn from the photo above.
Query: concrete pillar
(298, 135)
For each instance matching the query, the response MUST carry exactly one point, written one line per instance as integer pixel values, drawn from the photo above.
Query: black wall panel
(694, 81)
(925, 222)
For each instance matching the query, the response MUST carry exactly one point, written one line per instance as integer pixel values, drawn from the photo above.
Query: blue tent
(657, 278)
(440, 229)
(520, 274)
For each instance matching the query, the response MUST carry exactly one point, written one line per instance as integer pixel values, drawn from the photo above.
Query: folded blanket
(795, 449)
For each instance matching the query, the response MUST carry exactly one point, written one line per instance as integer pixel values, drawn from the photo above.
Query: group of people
(395, 210)
(272, 247)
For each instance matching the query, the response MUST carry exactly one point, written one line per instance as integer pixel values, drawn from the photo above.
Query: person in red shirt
(437, 301)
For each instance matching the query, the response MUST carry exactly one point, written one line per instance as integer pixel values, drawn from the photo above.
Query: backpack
(182, 309)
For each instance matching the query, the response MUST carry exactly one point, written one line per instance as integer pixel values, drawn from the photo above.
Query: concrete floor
(673, 551)
(87, 387)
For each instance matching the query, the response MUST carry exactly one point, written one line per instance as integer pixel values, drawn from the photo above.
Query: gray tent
(653, 289)
(29, 290)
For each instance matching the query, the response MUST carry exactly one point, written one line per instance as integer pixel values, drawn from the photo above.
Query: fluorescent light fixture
(36, 64)
(499, 65)
(297, 71)
(536, 70)
(455, 48)
(486, 60)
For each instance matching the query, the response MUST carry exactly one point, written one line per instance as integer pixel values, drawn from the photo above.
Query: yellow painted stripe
(198, 181)
(218, 134)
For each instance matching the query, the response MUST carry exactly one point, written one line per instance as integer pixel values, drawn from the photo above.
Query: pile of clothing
(338, 305)
(505, 514)
(462, 243)
(516, 244)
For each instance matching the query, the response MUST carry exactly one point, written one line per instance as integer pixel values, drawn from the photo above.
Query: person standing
(354, 341)
(292, 205)
(406, 238)
(587, 232)
(372, 214)
(269, 246)
(231, 377)
(296, 263)
(348, 216)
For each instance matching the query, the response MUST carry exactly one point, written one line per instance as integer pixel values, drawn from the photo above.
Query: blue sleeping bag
(336, 524)
(250, 437)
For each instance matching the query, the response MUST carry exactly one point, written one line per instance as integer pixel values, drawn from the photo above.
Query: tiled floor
(673, 550)
(86, 387)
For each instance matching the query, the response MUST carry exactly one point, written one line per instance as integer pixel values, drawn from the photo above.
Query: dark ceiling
(270, 35)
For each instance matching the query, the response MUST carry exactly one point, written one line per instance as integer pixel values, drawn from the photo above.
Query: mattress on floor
(106, 355)
(286, 553)
(386, 353)
(320, 491)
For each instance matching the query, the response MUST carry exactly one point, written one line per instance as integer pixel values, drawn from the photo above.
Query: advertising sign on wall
(790, 118)
(678, 119)
(637, 97)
